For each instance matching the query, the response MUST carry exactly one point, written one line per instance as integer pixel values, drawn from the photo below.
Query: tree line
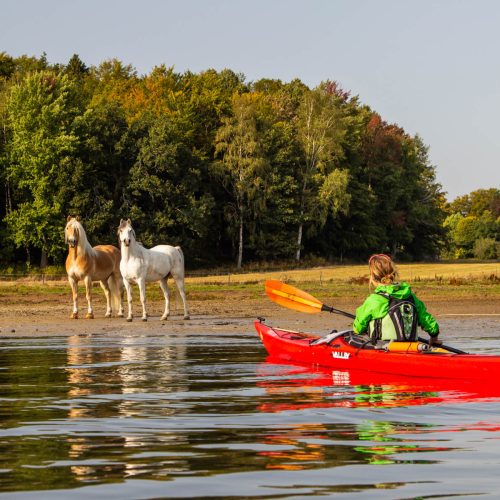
(473, 225)
(231, 170)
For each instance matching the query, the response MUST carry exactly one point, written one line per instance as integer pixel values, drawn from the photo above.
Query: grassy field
(460, 280)
(353, 273)
(445, 279)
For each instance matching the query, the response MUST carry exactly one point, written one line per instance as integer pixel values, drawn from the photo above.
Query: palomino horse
(101, 263)
(140, 265)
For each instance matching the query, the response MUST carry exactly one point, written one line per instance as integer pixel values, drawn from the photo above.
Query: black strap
(377, 331)
(377, 324)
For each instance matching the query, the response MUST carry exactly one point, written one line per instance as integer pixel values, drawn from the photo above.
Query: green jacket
(377, 306)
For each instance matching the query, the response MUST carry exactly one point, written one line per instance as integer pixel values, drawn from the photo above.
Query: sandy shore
(33, 314)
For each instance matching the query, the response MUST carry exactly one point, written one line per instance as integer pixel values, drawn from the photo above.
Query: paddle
(298, 300)
(293, 298)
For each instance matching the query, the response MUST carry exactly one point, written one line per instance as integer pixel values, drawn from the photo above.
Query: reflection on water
(131, 369)
(206, 415)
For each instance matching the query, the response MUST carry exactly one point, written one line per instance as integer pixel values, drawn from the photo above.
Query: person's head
(383, 271)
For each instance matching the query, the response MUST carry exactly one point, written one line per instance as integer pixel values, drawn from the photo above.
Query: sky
(431, 66)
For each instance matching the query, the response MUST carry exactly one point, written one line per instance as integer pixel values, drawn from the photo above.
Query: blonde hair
(383, 271)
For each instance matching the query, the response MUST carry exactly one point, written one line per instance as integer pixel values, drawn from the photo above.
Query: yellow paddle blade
(291, 297)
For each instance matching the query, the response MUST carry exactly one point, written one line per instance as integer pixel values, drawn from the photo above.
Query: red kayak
(400, 358)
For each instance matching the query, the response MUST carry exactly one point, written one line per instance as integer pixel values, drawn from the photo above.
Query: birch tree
(321, 130)
(241, 162)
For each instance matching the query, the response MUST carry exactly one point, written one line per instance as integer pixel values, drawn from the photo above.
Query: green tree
(114, 83)
(383, 173)
(482, 200)
(420, 203)
(354, 234)
(271, 229)
(486, 248)
(166, 195)
(241, 165)
(7, 65)
(207, 100)
(5, 191)
(487, 226)
(477, 202)
(76, 68)
(463, 233)
(40, 154)
(474, 222)
(333, 195)
(460, 205)
(106, 151)
(466, 231)
(321, 131)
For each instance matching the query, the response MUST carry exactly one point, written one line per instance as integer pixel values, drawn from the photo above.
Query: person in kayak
(392, 311)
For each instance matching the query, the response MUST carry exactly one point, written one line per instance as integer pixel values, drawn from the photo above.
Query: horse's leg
(107, 293)
(164, 288)
(179, 281)
(115, 282)
(74, 289)
(142, 292)
(128, 288)
(88, 291)
(119, 284)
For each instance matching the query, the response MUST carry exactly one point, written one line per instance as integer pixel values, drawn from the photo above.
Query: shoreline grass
(443, 279)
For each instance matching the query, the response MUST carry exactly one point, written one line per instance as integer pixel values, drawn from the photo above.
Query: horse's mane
(87, 247)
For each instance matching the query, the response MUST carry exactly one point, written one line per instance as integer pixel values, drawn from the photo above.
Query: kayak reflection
(295, 387)
(377, 442)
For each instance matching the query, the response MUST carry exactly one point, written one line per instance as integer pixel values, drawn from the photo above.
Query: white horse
(100, 263)
(140, 265)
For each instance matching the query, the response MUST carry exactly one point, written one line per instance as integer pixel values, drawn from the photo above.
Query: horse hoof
(144, 319)
(163, 318)
(120, 315)
(187, 317)
(129, 320)
(89, 316)
(107, 315)
(74, 316)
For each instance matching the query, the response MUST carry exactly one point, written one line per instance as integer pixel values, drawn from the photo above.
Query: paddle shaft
(330, 309)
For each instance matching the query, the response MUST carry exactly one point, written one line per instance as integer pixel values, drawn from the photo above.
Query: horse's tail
(180, 272)
(179, 249)
(115, 282)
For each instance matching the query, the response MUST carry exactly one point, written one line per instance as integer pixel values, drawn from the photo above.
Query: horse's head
(72, 231)
(125, 232)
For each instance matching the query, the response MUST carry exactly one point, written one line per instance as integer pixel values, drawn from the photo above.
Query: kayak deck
(300, 347)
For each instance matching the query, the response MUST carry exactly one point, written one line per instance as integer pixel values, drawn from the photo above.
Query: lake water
(118, 415)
